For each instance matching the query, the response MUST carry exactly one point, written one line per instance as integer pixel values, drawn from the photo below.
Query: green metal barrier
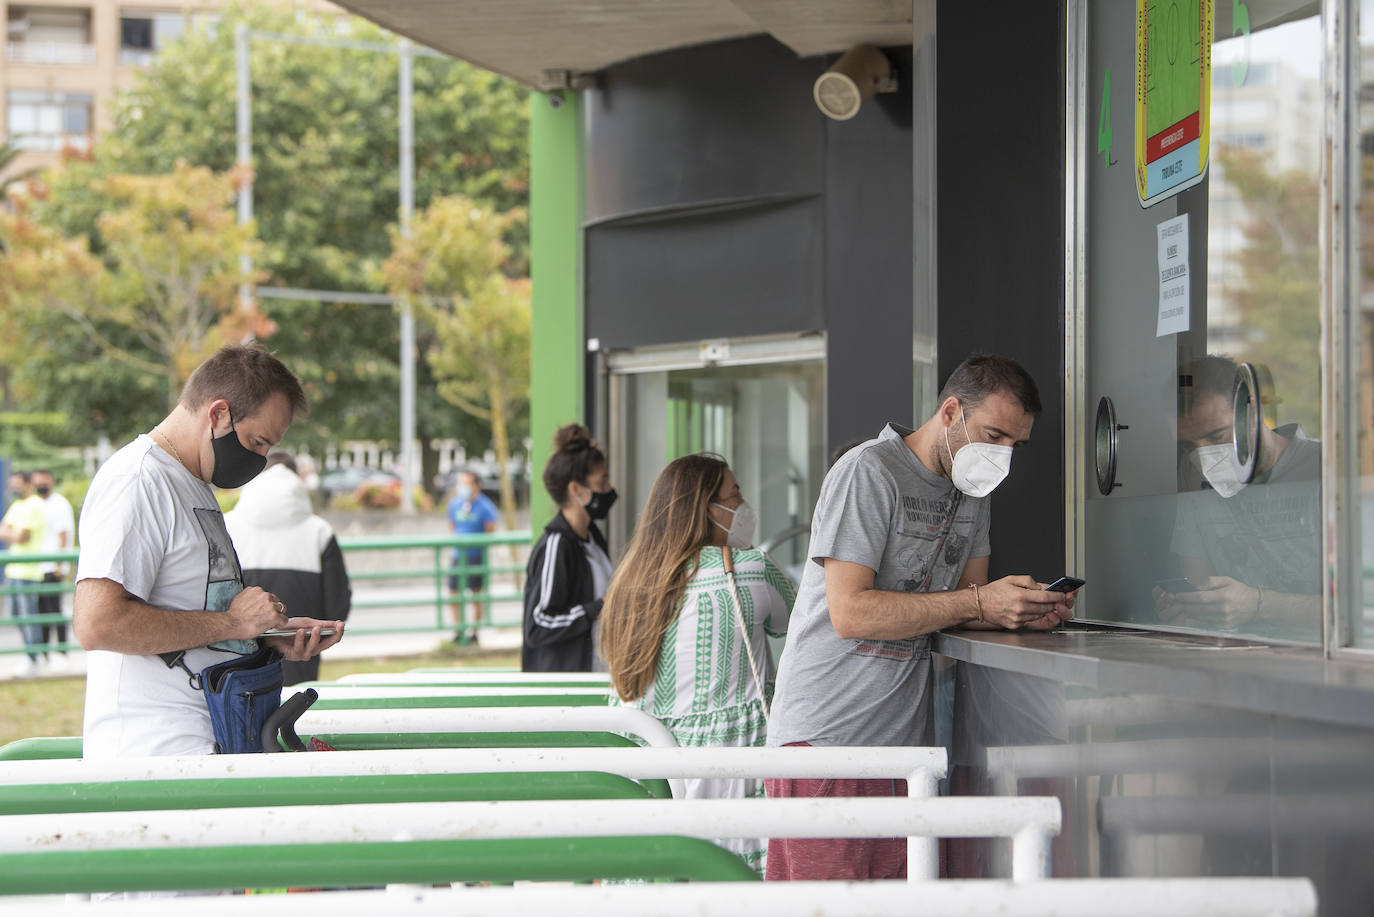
(239, 792)
(437, 573)
(494, 700)
(45, 748)
(372, 864)
(476, 682)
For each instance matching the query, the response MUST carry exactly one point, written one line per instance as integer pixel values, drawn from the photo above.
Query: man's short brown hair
(982, 375)
(245, 376)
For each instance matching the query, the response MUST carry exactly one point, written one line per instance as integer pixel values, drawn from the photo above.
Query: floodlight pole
(245, 156)
(407, 161)
(406, 55)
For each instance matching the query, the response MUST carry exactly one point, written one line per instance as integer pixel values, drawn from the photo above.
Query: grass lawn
(52, 706)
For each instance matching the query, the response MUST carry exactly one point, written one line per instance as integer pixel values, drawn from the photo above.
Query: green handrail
(247, 792)
(570, 859)
(45, 748)
(437, 573)
(42, 748)
(495, 700)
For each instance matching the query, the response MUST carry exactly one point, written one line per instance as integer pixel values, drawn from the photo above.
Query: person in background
(569, 569)
(289, 551)
(23, 529)
(59, 535)
(470, 512)
(672, 634)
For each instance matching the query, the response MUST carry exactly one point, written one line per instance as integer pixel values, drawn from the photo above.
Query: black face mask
(43, 491)
(235, 463)
(599, 506)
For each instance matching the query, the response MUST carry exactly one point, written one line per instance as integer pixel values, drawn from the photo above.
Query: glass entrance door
(761, 407)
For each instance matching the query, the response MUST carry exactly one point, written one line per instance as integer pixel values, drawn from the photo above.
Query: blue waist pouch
(241, 694)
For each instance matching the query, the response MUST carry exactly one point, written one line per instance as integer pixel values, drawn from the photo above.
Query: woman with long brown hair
(682, 641)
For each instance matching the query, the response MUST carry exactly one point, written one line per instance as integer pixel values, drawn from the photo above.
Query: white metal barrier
(1047, 898)
(1030, 822)
(627, 720)
(920, 767)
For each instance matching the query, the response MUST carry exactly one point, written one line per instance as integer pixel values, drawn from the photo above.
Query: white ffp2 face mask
(1218, 466)
(977, 468)
(743, 522)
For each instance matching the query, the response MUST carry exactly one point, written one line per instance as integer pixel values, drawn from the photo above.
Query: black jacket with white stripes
(559, 605)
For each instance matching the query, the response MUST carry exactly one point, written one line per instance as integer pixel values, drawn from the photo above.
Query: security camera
(555, 100)
(852, 80)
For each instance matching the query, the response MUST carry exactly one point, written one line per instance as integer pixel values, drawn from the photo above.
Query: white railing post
(922, 853)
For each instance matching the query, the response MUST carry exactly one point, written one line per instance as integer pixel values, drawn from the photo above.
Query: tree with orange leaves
(153, 285)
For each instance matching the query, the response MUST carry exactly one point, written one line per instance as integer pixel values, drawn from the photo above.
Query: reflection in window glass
(767, 421)
(1216, 524)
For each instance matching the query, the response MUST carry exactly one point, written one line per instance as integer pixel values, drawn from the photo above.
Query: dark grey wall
(1000, 230)
(721, 203)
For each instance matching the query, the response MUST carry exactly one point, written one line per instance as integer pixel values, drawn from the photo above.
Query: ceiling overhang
(551, 43)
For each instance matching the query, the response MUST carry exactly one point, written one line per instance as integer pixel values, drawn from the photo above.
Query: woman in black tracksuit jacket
(569, 568)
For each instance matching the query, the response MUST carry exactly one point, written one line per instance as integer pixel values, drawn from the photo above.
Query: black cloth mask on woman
(235, 463)
(599, 506)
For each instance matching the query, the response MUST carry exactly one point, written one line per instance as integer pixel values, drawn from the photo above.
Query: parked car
(347, 478)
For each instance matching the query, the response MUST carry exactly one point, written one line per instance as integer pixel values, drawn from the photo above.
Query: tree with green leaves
(451, 269)
(158, 294)
(325, 190)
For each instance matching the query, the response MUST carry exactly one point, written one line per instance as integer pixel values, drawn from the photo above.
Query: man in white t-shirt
(157, 572)
(59, 535)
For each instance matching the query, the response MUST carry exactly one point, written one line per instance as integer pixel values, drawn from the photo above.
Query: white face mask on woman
(740, 534)
(977, 468)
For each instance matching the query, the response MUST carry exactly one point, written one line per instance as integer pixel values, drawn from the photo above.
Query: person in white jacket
(289, 551)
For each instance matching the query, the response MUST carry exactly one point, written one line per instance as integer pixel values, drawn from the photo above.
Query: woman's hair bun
(573, 437)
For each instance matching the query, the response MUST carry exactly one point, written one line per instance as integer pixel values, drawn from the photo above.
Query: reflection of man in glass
(1251, 553)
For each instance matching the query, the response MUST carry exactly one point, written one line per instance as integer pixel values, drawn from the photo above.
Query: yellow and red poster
(1173, 88)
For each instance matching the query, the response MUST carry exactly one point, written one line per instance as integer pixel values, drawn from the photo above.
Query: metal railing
(50, 52)
(435, 574)
(1228, 897)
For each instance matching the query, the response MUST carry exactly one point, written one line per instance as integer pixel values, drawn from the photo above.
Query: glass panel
(1361, 328)
(1206, 529)
(767, 421)
(167, 27)
(22, 118)
(135, 33)
(76, 118)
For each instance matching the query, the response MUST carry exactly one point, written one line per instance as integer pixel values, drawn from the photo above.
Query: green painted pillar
(557, 337)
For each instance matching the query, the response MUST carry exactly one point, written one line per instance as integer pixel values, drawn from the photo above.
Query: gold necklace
(168, 441)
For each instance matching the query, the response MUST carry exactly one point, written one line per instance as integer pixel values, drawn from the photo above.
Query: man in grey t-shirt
(899, 550)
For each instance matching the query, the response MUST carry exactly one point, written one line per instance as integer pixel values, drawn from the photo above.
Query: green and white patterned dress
(702, 689)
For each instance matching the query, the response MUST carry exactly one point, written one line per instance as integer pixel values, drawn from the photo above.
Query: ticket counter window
(1201, 429)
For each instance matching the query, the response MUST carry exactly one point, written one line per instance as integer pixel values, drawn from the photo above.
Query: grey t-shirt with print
(880, 507)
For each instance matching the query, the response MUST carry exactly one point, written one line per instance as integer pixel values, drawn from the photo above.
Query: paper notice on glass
(1173, 276)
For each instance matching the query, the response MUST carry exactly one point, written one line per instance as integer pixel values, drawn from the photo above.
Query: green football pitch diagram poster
(1173, 80)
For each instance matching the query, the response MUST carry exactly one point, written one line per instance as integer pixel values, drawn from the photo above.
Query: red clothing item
(843, 858)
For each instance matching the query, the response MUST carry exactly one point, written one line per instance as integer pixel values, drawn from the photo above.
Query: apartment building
(64, 62)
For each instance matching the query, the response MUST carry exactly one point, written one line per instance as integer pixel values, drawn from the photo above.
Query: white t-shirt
(601, 581)
(154, 528)
(59, 515)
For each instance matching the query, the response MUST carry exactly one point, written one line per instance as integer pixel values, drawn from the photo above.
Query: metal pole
(407, 164)
(245, 154)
